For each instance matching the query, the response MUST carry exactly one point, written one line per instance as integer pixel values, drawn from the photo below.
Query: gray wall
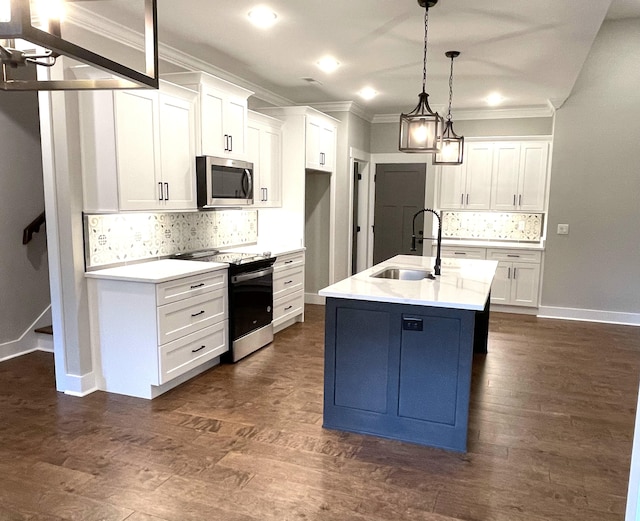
(24, 278)
(384, 136)
(595, 181)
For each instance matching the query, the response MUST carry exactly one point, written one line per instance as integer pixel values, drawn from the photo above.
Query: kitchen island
(398, 353)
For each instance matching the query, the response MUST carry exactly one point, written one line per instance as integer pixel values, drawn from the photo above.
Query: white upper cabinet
(222, 115)
(520, 176)
(138, 149)
(502, 175)
(468, 186)
(320, 144)
(265, 152)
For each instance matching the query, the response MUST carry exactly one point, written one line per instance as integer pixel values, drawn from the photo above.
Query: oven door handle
(251, 275)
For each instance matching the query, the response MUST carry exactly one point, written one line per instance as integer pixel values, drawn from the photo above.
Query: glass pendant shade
(452, 148)
(421, 129)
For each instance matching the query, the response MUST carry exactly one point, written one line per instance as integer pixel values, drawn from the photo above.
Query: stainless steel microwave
(223, 182)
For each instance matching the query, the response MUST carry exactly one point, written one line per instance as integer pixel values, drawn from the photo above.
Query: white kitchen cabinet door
(264, 150)
(479, 159)
(506, 162)
(213, 141)
(178, 151)
(235, 126)
(452, 186)
(320, 145)
(501, 286)
(137, 151)
(525, 279)
(532, 181)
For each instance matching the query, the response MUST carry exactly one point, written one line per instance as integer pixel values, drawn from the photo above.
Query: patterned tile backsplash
(525, 227)
(123, 237)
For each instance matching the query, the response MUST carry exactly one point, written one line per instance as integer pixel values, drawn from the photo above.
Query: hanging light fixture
(30, 34)
(452, 144)
(421, 129)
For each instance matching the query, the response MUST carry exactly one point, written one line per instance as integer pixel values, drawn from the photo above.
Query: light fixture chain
(450, 89)
(424, 61)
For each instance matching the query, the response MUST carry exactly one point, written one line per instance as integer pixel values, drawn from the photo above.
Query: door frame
(429, 196)
(364, 200)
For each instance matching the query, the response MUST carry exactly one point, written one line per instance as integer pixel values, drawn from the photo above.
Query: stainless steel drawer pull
(197, 285)
(288, 282)
(288, 262)
(511, 255)
(199, 349)
(459, 253)
(198, 313)
(288, 308)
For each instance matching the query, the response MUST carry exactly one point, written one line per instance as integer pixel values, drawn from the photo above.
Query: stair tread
(47, 330)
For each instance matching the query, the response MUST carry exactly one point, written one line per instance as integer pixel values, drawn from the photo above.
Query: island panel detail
(399, 371)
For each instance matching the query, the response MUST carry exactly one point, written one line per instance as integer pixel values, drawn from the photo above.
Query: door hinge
(357, 229)
(359, 177)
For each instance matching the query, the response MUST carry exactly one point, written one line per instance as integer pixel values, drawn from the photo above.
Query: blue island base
(401, 371)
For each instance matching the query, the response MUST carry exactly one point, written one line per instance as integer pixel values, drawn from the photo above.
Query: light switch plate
(563, 229)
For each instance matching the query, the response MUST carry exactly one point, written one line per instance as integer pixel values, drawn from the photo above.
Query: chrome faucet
(436, 268)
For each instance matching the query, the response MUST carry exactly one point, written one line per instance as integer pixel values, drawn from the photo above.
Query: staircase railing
(32, 227)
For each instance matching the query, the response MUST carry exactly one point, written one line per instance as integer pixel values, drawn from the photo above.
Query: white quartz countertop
(463, 284)
(156, 271)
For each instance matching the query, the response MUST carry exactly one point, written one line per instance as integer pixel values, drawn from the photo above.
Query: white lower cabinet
(517, 278)
(288, 290)
(153, 336)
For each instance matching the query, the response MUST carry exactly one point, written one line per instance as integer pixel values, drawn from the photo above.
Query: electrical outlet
(563, 229)
(520, 226)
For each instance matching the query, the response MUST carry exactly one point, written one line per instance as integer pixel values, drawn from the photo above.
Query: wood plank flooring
(550, 437)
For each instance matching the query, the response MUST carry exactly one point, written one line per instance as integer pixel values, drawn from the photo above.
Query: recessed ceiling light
(368, 93)
(262, 16)
(493, 99)
(328, 64)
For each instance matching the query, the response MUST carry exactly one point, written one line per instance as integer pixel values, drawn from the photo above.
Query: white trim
(342, 106)
(517, 310)
(80, 385)
(590, 315)
(545, 111)
(27, 342)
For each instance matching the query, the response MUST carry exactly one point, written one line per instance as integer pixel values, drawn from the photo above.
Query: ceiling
(530, 52)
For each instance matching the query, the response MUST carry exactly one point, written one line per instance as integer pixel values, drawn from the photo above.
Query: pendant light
(421, 129)
(452, 144)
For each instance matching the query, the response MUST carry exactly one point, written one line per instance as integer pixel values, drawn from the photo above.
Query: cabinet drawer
(181, 355)
(461, 253)
(179, 289)
(288, 281)
(289, 260)
(287, 307)
(189, 315)
(514, 255)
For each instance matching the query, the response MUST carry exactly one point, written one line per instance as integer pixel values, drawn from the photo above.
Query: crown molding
(343, 106)
(477, 114)
(102, 26)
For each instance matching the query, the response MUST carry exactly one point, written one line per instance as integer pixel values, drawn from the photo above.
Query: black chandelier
(452, 145)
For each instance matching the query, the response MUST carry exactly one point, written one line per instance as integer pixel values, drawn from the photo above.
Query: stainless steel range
(250, 298)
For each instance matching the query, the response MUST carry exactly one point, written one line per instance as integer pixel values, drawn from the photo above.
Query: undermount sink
(403, 274)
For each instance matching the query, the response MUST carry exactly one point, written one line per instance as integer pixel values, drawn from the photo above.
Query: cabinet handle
(230, 143)
(160, 192)
(459, 253)
(514, 273)
(520, 200)
(288, 308)
(512, 255)
(199, 349)
(288, 262)
(226, 142)
(467, 199)
(198, 313)
(266, 194)
(166, 195)
(514, 199)
(197, 285)
(461, 199)
(288, 282)
(508, 273)
(322, 158)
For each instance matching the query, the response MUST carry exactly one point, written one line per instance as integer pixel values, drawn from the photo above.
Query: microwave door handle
(247, 182)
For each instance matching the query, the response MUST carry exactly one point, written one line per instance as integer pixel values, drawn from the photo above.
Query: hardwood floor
(550, 436)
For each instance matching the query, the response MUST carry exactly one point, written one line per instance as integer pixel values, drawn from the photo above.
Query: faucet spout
(437, 267)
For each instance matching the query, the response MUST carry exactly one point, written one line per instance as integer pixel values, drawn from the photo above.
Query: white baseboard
(520, 310)
(314, 298)
(29, 341)
(78, 385)
(590, 315)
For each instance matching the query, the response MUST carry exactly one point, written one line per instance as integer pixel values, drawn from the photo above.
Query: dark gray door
(400, 192)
